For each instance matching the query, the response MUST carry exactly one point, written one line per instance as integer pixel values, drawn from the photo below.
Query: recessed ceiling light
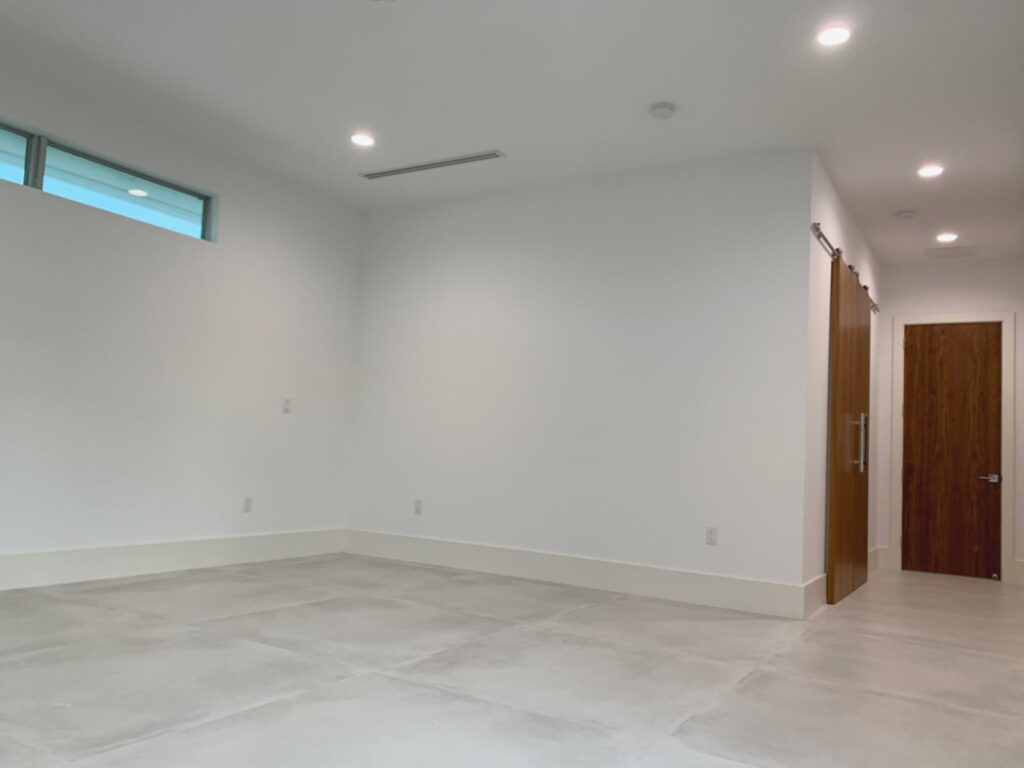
(835, 35)
(363, 139)
(138, 193)
(930, 171)
(948, 237)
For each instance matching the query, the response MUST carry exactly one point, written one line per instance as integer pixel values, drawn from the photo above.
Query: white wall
(599, 369)
(946, 288)
(144, 371)
(828, 209)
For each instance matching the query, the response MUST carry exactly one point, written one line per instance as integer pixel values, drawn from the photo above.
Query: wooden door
(849, 394)
(952, 396)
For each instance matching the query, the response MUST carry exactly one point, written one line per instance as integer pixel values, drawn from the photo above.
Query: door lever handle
(990, 478)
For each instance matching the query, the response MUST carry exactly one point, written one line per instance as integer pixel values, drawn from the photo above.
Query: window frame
(28, 146)
(35, 170)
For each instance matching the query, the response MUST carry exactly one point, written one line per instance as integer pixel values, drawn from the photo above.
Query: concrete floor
(347, 661)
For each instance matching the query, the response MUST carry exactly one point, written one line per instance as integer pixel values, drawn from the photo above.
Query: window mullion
(35, 164)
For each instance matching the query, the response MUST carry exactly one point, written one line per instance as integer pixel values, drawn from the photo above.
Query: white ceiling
(562, 86)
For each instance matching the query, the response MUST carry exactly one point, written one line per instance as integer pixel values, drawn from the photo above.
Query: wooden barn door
(849, 393)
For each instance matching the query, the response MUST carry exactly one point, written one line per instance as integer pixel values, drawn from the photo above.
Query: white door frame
(1008, 511)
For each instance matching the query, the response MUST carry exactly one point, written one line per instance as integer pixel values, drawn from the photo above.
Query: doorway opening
(952, 508)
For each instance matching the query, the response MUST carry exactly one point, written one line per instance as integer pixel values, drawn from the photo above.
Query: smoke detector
(905, 214)
(662, 110)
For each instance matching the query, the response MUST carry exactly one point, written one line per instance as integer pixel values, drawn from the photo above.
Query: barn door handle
(862, 451)
(990, 478)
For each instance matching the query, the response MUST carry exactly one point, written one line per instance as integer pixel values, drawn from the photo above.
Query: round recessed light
(948, 237)
(930, 171)
(363, 139)
(835, 35)
(138, 193)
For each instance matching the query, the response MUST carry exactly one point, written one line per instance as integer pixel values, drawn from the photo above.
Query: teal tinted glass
(13, 147)
(93, 183)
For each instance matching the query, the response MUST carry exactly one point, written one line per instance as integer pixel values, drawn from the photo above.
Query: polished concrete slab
(672, 754)
(967, 614)
(662, 625)
(349, 573)
(382, 722)
(194, 595)
(899, 667)
(77, 699)
(776, 721)
(368, 632)
(583, 679)
(501, 597)
(15, 755)
(351, 661)
(31, 619)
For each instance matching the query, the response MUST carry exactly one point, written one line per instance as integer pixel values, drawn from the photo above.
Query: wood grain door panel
(849, 396)
(951, 439)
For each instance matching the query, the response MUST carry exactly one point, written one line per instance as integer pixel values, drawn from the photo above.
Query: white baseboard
(887, 559)
(874, 559)
(1017, 576)
(36, 569)
(795, 601)
(815, 595)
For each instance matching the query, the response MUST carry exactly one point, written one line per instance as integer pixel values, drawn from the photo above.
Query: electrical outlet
(247, 506)
(711, 536)
(287, 407)
(417, 507)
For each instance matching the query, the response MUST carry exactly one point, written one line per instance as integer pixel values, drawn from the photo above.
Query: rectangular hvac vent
(492, 155)
(949, 253)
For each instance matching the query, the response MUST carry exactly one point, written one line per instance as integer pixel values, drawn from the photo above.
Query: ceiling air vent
(492, 155)
(948, 254)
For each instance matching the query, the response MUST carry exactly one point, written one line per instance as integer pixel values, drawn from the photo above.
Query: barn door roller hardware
(837, 253)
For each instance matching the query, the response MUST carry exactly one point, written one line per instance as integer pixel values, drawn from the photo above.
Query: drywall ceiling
(562, 87)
